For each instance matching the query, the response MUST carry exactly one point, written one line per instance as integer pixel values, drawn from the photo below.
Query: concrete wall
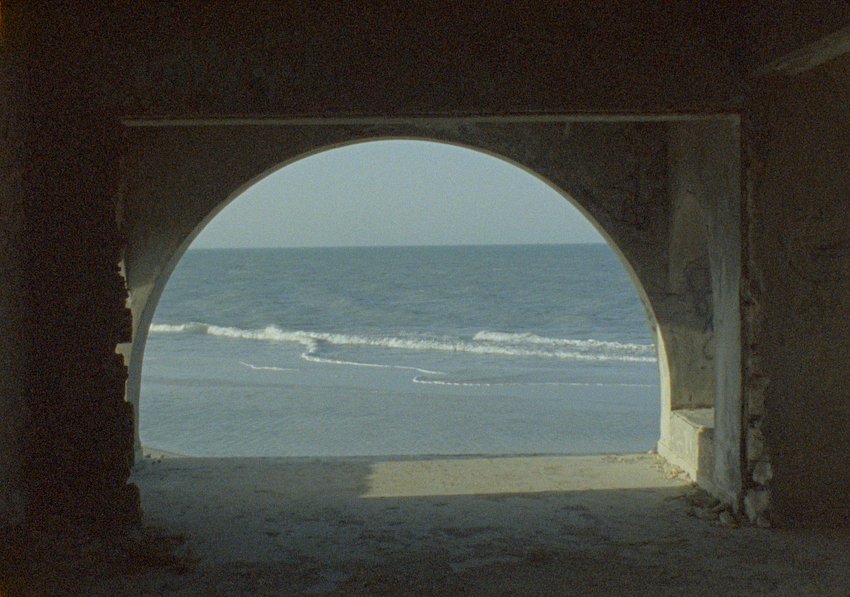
(284, 58)
(66, 429)
(797, 357)
(14, 339)
(778, 33)
(705, 185)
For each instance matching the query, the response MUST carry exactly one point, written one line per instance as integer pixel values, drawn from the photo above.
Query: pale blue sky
(385, 193)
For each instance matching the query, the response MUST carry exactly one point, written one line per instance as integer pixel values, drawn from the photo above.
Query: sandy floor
(599, 525)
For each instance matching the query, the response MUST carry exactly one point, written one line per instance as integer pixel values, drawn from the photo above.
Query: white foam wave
(484, 343)
(327, 361)
(584, 345)
(266, 368)
(488, 384)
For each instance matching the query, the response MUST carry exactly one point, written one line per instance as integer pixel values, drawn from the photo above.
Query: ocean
(485, 350)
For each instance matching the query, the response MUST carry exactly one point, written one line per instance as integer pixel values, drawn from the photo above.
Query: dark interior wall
(74, 431)
(705, 176)
(767, 30)
(14, 339)
(796, 302)
(180, 176)
(288, 58)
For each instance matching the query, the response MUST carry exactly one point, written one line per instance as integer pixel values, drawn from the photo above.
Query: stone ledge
(690, 444)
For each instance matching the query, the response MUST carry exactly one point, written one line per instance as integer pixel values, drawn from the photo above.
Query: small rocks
(762, 473)
(755, 442)
(727, 519)
(705, 514)
(672, 471)
(762, 522)
(704, 506)
(700, 498)
(721, 515)
(756, 503)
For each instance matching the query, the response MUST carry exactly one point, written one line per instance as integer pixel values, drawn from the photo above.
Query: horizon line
(417, 246)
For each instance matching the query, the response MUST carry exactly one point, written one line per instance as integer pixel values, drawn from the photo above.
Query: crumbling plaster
(795, 305)
(13, 332)
(705, 181)
(65, 430)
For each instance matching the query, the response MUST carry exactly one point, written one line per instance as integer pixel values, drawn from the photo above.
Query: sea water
(541, 349)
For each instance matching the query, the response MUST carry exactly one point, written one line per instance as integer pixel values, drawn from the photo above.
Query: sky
(394, 192)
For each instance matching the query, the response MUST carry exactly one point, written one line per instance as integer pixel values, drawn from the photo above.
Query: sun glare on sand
(533, 474)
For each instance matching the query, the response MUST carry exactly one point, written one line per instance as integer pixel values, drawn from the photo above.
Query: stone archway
(637, 181)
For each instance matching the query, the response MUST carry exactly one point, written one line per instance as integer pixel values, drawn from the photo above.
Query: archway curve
(261, 176)
(614, 172)
(144, 310)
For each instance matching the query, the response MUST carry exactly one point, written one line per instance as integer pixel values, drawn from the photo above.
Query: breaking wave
(484, 343)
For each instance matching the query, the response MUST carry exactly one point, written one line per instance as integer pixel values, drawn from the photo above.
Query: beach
(400, 350)
(526, 525)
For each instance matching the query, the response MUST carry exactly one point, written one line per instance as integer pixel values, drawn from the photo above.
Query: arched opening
(530, 350)
(438, 515)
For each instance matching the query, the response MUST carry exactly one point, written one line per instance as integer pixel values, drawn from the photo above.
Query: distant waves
(482, 343)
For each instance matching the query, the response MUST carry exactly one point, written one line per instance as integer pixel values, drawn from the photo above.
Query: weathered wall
(13, 332)
(796, 306)
(705, 184)
(69, 431)
(769, 31)
(282, 57)
(688, 349)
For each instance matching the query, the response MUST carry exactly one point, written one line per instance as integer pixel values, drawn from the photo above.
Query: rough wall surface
(285, 58)
(795, 305)
(13, 334)
(768, 30)
(704, 168)
(73, 429)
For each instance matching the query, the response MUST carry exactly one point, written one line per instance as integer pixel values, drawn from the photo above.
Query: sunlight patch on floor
(529, 474)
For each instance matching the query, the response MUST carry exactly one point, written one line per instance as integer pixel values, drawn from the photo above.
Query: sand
(544, 525)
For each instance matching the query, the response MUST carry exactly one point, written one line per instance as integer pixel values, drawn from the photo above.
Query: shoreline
(425, 475)
(152, 453)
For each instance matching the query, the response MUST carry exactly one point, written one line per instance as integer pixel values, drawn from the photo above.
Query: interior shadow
(548, 525)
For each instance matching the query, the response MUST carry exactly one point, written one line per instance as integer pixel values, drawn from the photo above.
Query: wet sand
(546, 525)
